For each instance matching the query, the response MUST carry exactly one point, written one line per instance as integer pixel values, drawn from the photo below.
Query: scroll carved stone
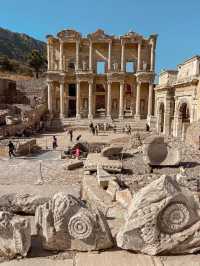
(163, 218)
(66, 223)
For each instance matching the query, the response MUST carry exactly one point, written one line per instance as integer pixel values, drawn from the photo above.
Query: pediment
(69, 34)
(99, 35)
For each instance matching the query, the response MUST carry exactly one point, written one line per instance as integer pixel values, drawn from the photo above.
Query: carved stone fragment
(66, 223)
(15, 235)
(163, 218)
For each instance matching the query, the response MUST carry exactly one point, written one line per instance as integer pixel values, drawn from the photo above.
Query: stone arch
(161, 117)
(183, 118)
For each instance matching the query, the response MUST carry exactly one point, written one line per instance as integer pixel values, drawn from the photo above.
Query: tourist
(11, 149)
(147, 128)
(71, 134)
(129, 130)
(93, 130)
(55, 144)
(96, 130)
(91, 127)
(77, 153)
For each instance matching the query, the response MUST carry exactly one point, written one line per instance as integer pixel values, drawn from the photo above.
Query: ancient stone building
(101, 75)
(177, 98)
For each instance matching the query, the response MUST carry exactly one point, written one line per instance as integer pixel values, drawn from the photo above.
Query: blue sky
(177, 22)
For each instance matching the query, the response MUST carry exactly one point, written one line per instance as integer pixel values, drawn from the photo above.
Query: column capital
(122, 82)
(109, 82)
(91, 82)
(123, 42)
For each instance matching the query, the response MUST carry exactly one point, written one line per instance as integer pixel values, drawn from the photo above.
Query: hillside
(18, 46)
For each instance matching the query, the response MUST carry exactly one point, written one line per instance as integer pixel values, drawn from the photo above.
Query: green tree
(5, 63)
(37, 62)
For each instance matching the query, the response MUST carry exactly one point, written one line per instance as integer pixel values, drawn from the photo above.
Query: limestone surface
(159, 153)
(15, 235)
(25, 203)
(163, 218)
(112, 150)
(94, 159)
(66, 223)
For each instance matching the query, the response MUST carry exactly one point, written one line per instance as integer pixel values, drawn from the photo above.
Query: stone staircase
(136, 125)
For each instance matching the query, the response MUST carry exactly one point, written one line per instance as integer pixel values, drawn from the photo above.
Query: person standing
(71, 134)
(11, 149)
(55, 144)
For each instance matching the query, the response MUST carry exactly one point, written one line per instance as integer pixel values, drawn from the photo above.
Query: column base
(90, 116)
(137, 117)
(78, 116)
(121, 117)
(62, 116)
(109, 118)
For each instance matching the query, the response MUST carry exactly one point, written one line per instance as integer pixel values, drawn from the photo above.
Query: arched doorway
(183, 120)
(100, 107)
(161, 113)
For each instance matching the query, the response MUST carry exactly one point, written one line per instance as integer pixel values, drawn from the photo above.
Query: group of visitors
(94, 129)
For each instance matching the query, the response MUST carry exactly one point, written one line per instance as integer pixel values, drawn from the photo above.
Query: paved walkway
(109, 258)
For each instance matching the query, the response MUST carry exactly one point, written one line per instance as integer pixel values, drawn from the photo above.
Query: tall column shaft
(109, 55)
(150, 99)
(90, 56)
(78, 92)
(152, 57)
(61, 100)
(139, 57)
(122, 56)
(121, 101)
(61, 56)
(77, 54)
(50, 98)
(48, 56)
(137, 113)
(90, 114)
(109, 100)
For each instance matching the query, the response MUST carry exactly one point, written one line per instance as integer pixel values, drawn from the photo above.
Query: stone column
(137, 113)
(90, 102)
(109, 99)
(152, 56)
(48, 55)
(139, 57)
(50, 98)
(78, 116)
(61, 99)
(61, 56)
(109, 55)
(77, 54)
(67, 100)
(150, 99)
(121, 101)
(90, 57)
(122, 55)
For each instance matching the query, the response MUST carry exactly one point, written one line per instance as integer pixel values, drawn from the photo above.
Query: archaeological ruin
(105, 160)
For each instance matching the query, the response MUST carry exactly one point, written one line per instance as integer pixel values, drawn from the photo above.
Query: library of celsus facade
(101, 75)
(177, 97)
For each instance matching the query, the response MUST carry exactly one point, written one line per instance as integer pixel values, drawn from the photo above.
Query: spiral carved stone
(80, 226)
(174, 218)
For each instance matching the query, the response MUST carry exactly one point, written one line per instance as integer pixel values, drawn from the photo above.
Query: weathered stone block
(124, 197)
(15, 235)
(159, 153)
(112, 150)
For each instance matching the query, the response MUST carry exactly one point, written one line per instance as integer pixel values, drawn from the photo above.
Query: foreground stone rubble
(66, 223)
(15, 235)
(162, 219)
